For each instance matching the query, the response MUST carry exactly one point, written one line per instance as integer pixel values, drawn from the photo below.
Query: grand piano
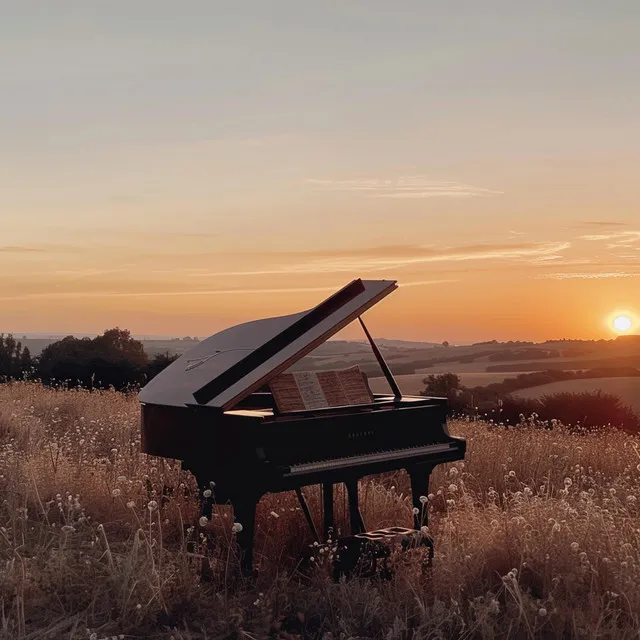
(214, 410)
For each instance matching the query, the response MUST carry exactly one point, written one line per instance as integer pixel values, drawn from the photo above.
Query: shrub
(586, 410)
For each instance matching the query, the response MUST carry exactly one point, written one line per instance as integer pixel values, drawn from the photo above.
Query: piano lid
(230, 365)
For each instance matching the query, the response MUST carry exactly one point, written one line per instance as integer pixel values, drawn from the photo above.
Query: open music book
(302, 390)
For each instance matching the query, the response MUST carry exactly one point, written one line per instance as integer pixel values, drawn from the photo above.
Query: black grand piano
(213, 410)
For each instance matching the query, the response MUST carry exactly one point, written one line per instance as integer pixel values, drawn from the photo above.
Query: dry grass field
(537, 536)
(628, 389)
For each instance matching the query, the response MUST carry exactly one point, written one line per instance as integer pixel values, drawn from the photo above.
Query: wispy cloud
(603, 223)
(404, 187)
(59, 295)
(21, 249)
(589, 276)
(622, 237)
(381, 258)
(40, 248)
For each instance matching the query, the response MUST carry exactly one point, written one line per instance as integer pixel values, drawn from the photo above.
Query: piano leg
(202, 481)
(420, 487)
(355, 517)
(307, 514)
(327, 505)
(244, 512)
(419, 475)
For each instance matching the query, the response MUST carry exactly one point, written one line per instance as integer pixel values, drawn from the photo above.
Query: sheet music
(305, 390)
(310, 390)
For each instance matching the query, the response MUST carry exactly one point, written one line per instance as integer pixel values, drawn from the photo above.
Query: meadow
(537, 535)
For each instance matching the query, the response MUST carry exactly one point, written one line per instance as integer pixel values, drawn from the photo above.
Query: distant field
(626, 388)
(411, 383)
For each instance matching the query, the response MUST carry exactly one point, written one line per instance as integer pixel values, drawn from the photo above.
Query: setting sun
(622, 323)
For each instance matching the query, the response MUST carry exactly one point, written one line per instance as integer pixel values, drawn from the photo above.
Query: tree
(111, 359)
(445, 343)
(442, 384)
(158, 363)
(449, 386)
(15, 361)
(117, 344)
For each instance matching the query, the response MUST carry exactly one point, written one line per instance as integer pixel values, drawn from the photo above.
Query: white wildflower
(207, 493)
(203, 521)
(236, 528)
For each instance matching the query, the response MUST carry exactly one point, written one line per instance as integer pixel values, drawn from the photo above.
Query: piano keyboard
(380, 456)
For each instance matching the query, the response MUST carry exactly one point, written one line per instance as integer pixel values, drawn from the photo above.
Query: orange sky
(177, 172)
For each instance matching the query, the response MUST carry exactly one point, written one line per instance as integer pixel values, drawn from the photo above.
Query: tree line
(112, 359)
(583, 410)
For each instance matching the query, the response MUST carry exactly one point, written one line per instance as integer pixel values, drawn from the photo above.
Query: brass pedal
(367, 553)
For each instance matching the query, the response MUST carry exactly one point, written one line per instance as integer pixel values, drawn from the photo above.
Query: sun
(622, 323)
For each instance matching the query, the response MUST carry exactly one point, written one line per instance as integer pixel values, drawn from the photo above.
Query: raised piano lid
(230, 365)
